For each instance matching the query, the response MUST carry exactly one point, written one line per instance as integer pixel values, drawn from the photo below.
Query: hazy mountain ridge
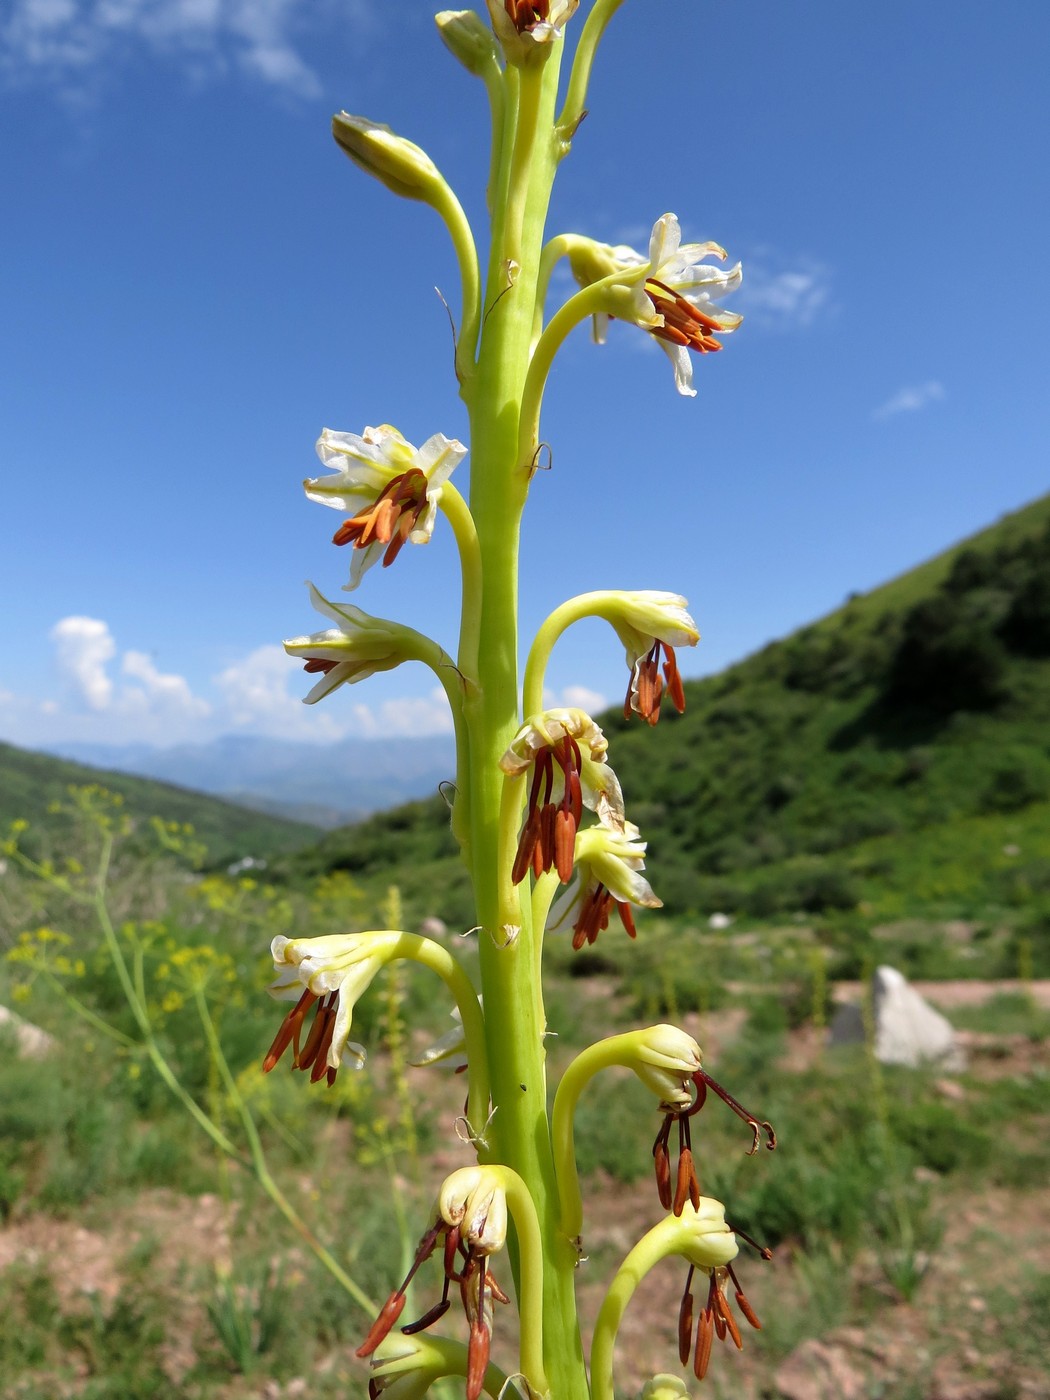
(31, 783)
(324, 784)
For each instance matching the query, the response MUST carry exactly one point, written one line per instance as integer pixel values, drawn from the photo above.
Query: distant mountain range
(325, 785)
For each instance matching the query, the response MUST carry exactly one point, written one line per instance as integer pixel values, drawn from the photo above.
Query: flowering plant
(537, 805)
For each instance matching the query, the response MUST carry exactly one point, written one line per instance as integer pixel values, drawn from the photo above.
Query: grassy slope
(883, 756)
(31, 782)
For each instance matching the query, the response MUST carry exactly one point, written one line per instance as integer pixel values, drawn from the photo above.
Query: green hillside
(30, 783)
(882, 757)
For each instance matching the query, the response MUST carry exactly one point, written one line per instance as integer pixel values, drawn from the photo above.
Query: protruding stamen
(388, 1315)
(757, 1125)
(685, 1320)
(289, 1031)
(704, 1340)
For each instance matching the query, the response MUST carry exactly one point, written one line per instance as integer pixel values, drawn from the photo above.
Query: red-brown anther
(564, 844)
(662, 1163)
(324, 1021)
(685, 1320)
(391, 518)
(722, 1304)
(290, 1029)
(683, 323)
(525, 13)
(315, 665)
(626, 918)
(686, 1188)
(741, 1302)
(528, 844)
(673, 680)
(705, 1336)
(646, 689)
(548, 835)
(477, 1357)
(388, 1315)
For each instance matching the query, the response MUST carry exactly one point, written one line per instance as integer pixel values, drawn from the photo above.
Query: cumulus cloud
(147, 703)
(158, 691)
(578, 697)
(84, 647)
(910, 399)
(783, 294)
(63, 41)
(263, 693)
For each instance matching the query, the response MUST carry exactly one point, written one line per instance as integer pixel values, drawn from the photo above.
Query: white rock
(907, 1029)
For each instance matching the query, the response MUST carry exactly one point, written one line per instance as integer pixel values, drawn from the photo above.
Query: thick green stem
(515, 1021)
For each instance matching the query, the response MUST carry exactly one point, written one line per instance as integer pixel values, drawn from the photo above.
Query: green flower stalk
(537, 808)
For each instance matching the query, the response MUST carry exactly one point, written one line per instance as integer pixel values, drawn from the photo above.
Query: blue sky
(194, 281)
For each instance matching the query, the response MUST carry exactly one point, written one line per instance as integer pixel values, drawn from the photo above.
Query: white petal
(346, 615)
(361, 560)
(683, 367)
(663, 242)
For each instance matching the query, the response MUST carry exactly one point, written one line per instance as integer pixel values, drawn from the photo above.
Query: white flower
(546, 730)
(608, 872)
(566, 751)
(390, 488)
(670, 294)
(648, 622)
(357, 648)
(332, 972)
(526, 29)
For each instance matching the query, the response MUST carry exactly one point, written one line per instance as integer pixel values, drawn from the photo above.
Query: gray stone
(908, 1031)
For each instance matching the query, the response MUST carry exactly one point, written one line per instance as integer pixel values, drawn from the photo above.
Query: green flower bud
(466, 35)
(399, 164)
(664, 1387)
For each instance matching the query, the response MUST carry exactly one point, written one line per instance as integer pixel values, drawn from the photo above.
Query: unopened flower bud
(399, 164)
(664, 1387)
(467, 36)
(665, 1060)
(474, 1199)
(702, 1235)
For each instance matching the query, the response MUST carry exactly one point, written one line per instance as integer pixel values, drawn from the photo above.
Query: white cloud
(782, 296)
(64, 41)
(577, 697)
(423, 715)
(158, 692)
(83, 649)
(149, 704)
(257, 695)
(910, 399)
